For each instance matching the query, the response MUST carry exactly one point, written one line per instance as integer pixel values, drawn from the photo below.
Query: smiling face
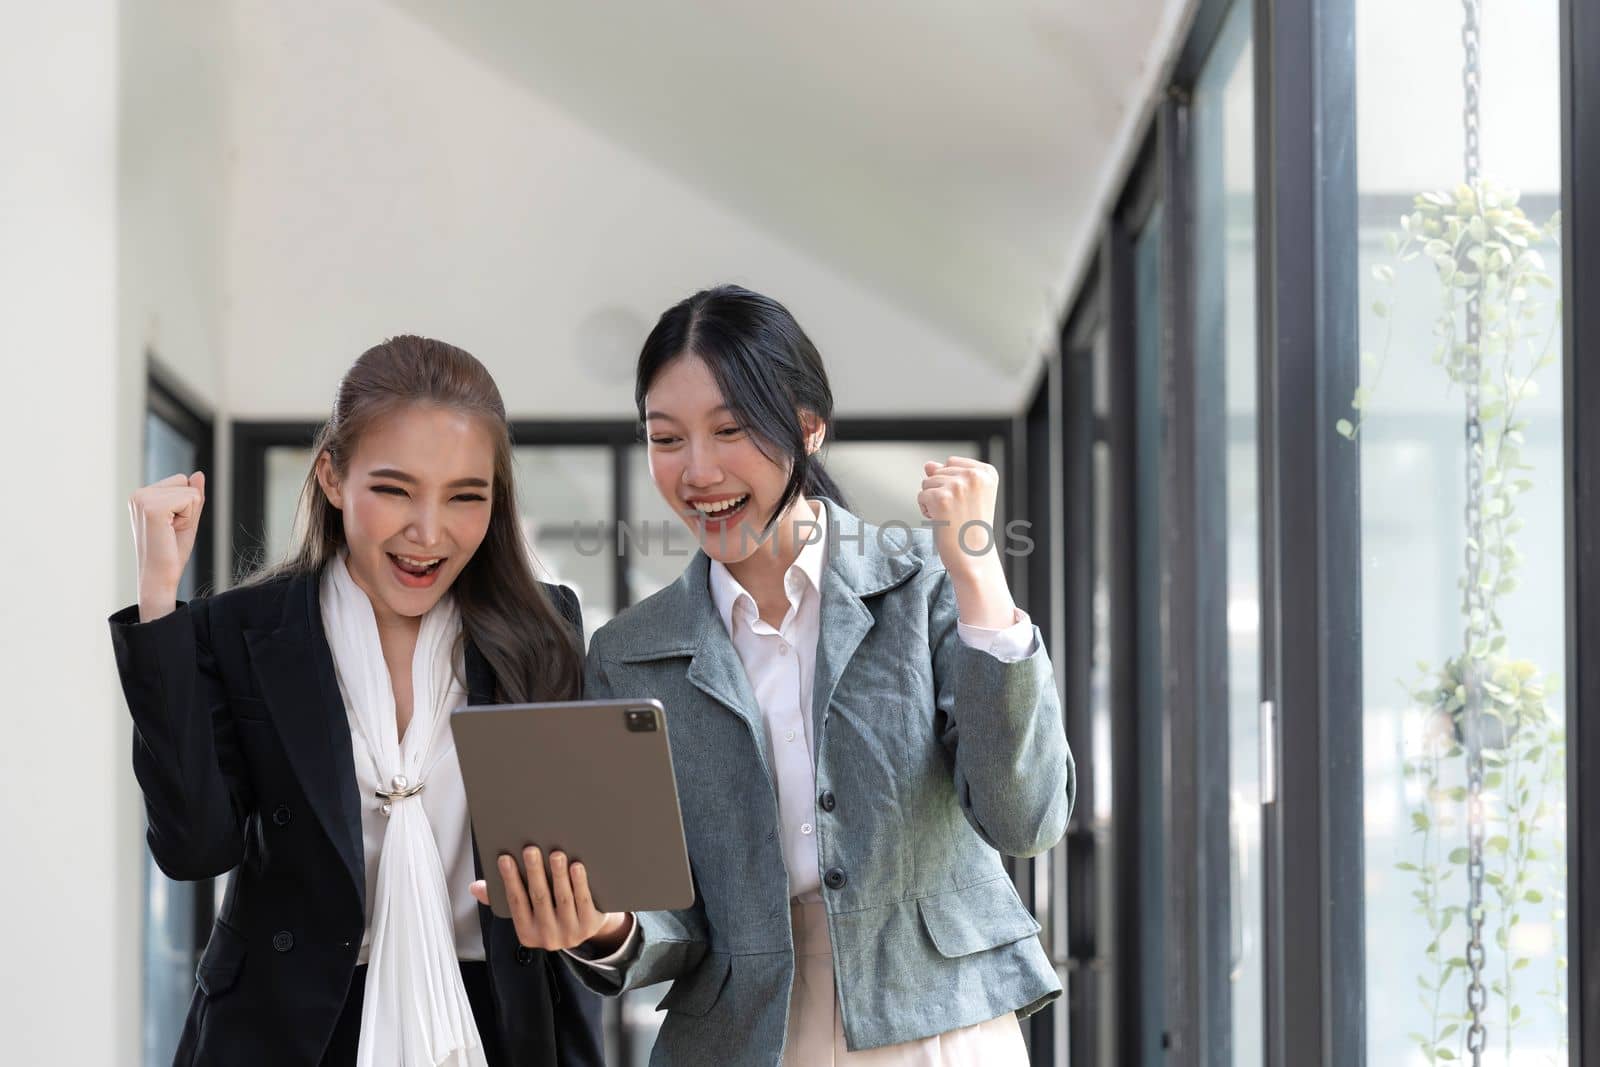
(706, 467)
(415, 504)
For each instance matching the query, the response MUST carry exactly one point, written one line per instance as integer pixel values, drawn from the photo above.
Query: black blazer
(243, 753)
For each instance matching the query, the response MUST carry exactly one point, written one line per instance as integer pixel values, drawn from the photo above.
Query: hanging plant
(1491, 280)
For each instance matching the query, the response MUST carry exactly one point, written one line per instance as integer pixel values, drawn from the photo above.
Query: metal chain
(1473, 600)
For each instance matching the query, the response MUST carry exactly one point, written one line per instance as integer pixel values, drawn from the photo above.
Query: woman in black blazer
(255, 730)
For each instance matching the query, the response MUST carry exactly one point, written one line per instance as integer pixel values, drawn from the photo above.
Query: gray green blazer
(932, 760)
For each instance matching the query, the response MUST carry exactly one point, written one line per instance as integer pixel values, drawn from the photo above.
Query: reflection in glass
(1225, 171)
(1462, 551)
(1107, 839)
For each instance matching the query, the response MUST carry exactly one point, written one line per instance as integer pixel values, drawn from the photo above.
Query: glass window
(881, 479)
(564, 499)
(1224, 151)
(1149, 447)
(1102, 716)
(170, 944)
(286, 470)
(1462, 583)
(659, 545)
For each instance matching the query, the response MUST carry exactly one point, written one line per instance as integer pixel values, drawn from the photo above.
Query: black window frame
(166, 398)
(1580, 255)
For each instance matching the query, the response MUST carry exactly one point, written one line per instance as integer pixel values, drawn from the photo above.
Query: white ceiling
(952, 157)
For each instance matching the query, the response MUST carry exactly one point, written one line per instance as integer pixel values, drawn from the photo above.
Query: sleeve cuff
(1015, 642)
(613, 963)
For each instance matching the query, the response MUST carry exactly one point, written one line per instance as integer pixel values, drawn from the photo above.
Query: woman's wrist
(612, 933)
(983, 596)
(156, 604)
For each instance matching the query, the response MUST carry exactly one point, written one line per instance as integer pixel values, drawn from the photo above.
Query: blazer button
(835, 878)
(524, 955)
(281, 815)
(826, 800)
(283, 941)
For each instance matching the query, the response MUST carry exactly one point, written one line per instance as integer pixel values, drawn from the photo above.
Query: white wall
(172, 156)
(68, 907)
(386, 182)
(173, 163)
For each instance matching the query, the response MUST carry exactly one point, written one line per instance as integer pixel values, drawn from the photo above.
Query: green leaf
(1345, 429)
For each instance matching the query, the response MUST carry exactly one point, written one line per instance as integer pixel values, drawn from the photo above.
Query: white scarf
(415, 1012)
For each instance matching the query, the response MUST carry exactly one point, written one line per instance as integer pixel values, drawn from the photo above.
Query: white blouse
(445, 801)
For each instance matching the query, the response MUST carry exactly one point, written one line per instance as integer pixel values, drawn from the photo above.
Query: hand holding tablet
(575, 806)
(557, 912)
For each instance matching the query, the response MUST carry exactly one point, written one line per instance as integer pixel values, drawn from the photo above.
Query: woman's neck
(397, 637)
(762, 572)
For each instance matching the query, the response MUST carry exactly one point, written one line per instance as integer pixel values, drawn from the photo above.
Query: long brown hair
(505, 612)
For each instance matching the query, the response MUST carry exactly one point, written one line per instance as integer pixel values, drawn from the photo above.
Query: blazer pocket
(251, 710)
(222, 960)
(979, 917)
(696, 992)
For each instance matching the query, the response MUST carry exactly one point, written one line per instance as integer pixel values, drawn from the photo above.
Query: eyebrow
(720, 410)
(402, 476)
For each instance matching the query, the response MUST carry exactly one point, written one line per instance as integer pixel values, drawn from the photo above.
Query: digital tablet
(591, 778)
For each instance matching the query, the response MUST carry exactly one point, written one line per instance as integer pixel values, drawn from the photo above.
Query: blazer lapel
(294, 669)
(845, 622)
(480, 677)
(687, 619)
(849, 578)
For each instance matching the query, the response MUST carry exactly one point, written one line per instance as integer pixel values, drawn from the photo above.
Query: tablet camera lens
(640, 720)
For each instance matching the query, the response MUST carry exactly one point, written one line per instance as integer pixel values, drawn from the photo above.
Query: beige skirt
(816, 1026)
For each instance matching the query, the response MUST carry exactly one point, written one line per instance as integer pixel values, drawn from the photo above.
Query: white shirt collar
(726, 592)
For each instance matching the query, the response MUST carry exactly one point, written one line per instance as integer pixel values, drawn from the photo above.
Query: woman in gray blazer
(862, 723)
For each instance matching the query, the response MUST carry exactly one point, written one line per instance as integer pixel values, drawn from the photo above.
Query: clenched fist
(166, 517)
(958, 492)
(958, 498)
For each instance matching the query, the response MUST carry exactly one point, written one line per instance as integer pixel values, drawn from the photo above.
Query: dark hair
(768, 370)
(504, 609)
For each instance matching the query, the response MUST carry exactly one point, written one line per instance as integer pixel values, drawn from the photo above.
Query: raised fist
(165, 517)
